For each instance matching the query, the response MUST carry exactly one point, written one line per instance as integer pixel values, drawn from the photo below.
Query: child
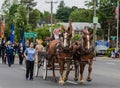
(113, 54)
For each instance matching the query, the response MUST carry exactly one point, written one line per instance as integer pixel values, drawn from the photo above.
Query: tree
(63, 12)
(34, 18)
(31, 13)
(42, 32)
(46, 17)
(20, 21)
(29, 3)
(105, 12)
(5, 6)
(81, 15)
(10, 11)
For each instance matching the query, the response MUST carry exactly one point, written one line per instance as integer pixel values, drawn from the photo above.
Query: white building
(78, 26)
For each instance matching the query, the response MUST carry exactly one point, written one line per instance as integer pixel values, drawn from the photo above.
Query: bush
(76, 37)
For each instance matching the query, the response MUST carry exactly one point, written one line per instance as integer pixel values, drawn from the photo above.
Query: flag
(22, 37)
(12, 34)
(2, 28)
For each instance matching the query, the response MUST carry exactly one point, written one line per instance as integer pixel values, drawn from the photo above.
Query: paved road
(106, 74)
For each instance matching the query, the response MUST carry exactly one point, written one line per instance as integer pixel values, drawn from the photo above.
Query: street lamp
(51, 20)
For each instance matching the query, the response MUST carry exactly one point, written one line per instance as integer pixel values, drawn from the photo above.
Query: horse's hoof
(89, 80)
(75, 79)
(81, 81)
(61, 82)
(65, 79)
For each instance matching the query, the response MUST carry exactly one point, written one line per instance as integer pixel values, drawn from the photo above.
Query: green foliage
(9, 20)
(81, 15)
(63, 12)
(42, 32)
(106, 13)
(99, 32)
(76, 37)
(5, 6)
(109, 51)
(20, 21)
(46, 16)
(30, 3)
(34, 18)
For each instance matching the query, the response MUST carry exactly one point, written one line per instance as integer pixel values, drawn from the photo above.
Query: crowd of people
(115, 53)
(26, 52)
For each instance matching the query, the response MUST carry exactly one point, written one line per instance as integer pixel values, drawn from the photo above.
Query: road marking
(111, 63)
(72, 82)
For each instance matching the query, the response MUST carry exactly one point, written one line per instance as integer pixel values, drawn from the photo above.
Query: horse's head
(87, 41)
(66, 39)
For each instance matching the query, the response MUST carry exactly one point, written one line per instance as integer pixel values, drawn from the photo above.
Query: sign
(30, 35)
(95, 20)
(113, 37)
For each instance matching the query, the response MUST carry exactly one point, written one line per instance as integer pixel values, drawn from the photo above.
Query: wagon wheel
(36, 67)
(44, 68)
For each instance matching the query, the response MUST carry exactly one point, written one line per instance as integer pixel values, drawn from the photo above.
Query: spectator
(27, 44)
(3, 47)
(112, 54)
(116, 52)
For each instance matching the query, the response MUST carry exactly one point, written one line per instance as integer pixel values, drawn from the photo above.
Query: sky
(43, 6)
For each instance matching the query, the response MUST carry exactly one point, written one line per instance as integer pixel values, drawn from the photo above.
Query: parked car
(101, 50)
(101, 47)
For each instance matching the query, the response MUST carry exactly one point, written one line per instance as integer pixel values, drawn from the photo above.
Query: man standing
(3, 42)
(9, 52)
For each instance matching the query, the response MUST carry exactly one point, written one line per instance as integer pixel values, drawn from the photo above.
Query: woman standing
(30, 57)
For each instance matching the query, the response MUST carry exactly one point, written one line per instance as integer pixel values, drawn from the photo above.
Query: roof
(80, 25)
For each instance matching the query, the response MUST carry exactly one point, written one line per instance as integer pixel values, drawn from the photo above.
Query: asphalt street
(105, 74)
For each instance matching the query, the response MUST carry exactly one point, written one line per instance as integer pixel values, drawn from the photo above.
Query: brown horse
(83, 52)
(60, 51)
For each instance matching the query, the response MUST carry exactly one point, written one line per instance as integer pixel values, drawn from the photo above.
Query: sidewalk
(105, 57)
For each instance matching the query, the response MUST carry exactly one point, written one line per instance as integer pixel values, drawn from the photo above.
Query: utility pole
(27, 13)
(109, 32)
(117, 23)
(51, 20)
(94, 31)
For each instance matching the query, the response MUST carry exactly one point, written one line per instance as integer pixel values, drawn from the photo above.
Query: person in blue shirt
(30, 54)
(9, 51)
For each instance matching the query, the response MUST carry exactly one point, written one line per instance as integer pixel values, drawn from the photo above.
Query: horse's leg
(67, 70)
(53, 68)
(82, 66)
(61, 69)
(76, 70)
(89, 72)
